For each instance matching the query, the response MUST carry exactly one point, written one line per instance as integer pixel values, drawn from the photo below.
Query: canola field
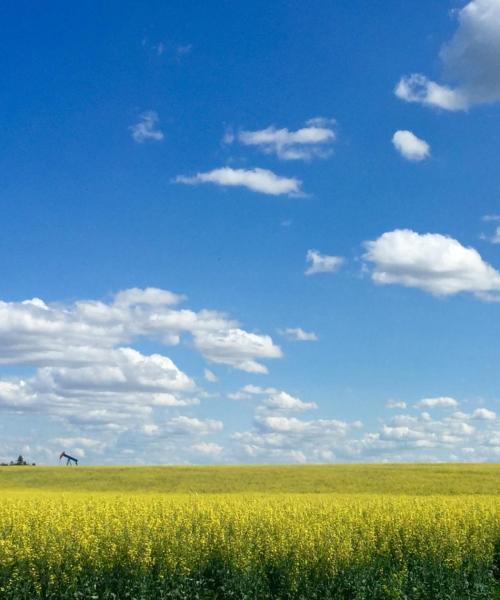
(355, 532)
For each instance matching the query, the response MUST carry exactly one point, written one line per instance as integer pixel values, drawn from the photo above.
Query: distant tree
(20, 460)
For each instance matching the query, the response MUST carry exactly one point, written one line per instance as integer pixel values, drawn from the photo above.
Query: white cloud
(297, 334)
(210, 376)
(208, 449)
(439, 402)
(257, 180)
(471, 62)
(403, 438)
(126, 370)
(192, 426)
(284, 424)
(431, 262)
(237, 348)
(322, 263)
(311, 141)
(84, 332)
(256, 389)
(88, 443)
(146, 296)
(493, 238)
(418, 88)
(83, 377)
(485, 414)
(410, 146)
(275, 402)
(281, 401)
(146, 128)
(395, 404)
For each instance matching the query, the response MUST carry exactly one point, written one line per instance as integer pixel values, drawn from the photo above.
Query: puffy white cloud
(237, 348)
(439, 402)
(210, 376)
(275, 401)
(147, 296)
(85, 379)
(402, 438)
(297, 334)
(183, 425)
(495, 237)
(126, 371)
(282, 401)
(284, 424)
(431, 262)
(84, 332)
(257, 180)
(418, 88)
(256, 389)
(146, 128)
(322, 263)
(471, 62)
(485, 414)
(88, 443)
(247, 391)
(208, 449)
(395, 404)
(410, 146)
(311, 141)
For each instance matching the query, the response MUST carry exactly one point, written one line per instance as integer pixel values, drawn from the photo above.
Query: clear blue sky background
(86, 211)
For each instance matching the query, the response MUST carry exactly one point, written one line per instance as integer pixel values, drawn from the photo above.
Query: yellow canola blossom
(248, 546)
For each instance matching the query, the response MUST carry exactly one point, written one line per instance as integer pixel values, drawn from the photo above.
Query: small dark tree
(20, 460)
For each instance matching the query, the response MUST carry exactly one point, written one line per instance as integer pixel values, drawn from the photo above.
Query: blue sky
(207, 150)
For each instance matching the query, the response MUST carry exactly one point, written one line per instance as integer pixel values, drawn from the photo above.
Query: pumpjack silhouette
(71, 460)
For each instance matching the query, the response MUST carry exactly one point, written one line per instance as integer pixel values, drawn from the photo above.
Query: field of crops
(430, 541)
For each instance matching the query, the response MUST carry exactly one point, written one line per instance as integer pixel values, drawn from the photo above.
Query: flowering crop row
(248, 546)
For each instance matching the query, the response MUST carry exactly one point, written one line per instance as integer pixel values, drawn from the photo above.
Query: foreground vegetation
(127, 544)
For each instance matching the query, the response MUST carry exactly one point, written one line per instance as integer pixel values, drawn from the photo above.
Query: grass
(414, 480)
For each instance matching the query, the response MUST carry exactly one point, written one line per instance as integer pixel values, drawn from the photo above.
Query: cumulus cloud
(297, 334)
(418, 88)
(190, 425)
(281, 401)
(470, 60)
(257, 180)
(210, 376)
(146, 128)
(322, 263)
(81, 373)
(431, 262)
(208, 449)
(314, 140)
(439, 402)
(237, 348)
(410, 146)
(84, 332)
(85, 442)
(402, 438)
(485, 414)
(281, 438)
(395, 404)
(494, 238)
(272, 400)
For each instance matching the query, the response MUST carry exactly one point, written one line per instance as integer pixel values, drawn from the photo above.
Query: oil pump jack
(70, 459)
